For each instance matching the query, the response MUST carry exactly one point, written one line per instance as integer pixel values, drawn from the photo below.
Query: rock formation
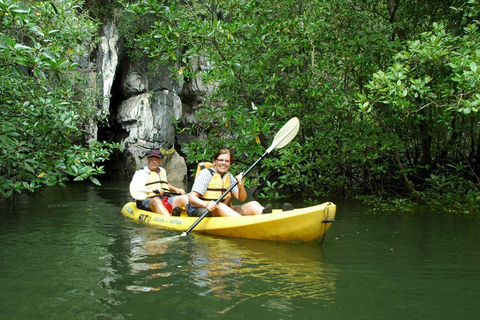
(141, 105)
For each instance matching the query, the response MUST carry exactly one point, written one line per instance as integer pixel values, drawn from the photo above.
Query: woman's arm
(240, 193)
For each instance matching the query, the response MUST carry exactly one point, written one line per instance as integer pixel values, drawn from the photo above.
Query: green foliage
(317, 60)
(264, 73)
(450, 192)
(103, 10)
(44, 96)
(426, 103)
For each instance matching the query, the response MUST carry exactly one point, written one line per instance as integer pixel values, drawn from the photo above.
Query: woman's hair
(224, 151)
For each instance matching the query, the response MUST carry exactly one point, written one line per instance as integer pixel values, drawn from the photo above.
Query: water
(68, 253)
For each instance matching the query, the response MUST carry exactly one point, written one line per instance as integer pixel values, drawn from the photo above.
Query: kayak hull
(303, 224)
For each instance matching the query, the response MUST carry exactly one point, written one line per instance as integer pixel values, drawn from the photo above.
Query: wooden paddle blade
(286, 134)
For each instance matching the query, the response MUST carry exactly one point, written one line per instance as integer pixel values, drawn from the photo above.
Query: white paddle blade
(286, 134)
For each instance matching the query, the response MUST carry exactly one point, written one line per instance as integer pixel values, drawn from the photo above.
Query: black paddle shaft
(224, 194)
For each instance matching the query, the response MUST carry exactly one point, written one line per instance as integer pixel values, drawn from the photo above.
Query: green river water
(68, 253)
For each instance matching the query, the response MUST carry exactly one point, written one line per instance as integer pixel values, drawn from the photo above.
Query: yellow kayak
(304, 224)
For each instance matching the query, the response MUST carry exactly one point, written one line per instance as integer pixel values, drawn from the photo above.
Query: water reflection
(231, 269)
(144, 260)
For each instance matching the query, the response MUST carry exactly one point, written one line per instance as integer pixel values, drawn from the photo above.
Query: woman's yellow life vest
(217, 186)
(157, 181)
(201, 166)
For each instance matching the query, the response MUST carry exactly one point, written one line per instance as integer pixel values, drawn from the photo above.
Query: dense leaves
(44, 96)
(426, 105)
(387, 92)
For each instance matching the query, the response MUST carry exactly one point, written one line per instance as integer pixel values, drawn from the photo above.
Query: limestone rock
(142, 101)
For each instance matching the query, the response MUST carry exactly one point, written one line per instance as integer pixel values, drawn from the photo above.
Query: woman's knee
(225, 211)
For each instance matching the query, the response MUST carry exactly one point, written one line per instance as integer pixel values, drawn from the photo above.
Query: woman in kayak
(211, 183)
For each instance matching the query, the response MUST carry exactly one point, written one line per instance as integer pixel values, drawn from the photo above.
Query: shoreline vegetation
(387, 93)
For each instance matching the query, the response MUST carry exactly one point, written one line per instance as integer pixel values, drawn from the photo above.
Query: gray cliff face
(141, 105)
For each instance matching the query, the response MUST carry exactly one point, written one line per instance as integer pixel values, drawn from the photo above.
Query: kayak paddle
(138, 194)
(282, 138)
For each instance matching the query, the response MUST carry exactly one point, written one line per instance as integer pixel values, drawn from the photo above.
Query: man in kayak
(151, 190)
(211, 183)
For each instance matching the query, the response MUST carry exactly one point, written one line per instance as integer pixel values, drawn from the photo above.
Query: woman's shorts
(196, 212)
